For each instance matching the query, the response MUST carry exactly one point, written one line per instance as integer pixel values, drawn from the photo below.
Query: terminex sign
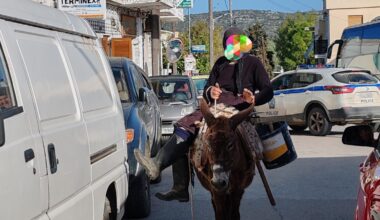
(95, 9)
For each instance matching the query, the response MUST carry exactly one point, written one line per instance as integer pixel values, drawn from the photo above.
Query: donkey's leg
(235, 204)
(220, 209)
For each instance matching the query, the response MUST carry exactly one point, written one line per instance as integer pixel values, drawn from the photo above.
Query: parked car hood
(172, 111)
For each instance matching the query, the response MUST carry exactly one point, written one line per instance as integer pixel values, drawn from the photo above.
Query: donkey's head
(222, 144)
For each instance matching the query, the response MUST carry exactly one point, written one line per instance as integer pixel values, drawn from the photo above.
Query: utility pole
(231, 19)
(211, 24)
(188, 11)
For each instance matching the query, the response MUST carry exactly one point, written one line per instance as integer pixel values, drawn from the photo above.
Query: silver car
(177, 97)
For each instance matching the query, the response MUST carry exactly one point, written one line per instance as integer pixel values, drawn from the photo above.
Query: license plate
(168, 130)
(365, 95)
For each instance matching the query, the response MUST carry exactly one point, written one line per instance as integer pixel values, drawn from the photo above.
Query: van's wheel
(298, 127)
(138, 201)
(318, 122)
(107, 210)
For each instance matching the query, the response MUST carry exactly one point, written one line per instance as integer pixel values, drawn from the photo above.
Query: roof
(322, 70)
(170, 77)
(32, 13)
(200, 77)
(118, 61)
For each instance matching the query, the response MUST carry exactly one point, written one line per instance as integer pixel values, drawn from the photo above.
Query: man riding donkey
(233, 82)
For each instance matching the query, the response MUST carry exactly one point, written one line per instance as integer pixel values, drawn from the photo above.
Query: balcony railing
(172, 14)
(161, 4)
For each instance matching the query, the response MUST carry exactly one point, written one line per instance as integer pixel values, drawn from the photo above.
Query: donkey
(227, 166)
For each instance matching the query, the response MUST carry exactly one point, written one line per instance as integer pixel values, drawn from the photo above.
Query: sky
(201, 6)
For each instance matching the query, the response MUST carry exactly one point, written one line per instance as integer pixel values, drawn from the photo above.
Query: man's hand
(215, 92)
(248, 96)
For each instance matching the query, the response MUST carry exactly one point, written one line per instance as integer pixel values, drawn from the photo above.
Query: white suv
(320, 98)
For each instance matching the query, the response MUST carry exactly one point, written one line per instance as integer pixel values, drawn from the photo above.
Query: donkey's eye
(230, 147)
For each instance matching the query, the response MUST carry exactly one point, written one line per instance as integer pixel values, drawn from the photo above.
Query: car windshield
(200, 84)
(172, 89)
(355, 78)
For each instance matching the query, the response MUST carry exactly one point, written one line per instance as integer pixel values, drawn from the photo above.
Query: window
(6, 100)
(282, 82)
(143, 77)
(173, 90)
(136, 78)
(303, 80)
(354, 77)
(121, 84)
(355, 20)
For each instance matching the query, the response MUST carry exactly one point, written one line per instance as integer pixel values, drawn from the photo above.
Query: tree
(293, 40)
(200, 36)
(259, 40)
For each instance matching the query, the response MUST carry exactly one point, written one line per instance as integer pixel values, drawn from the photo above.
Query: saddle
(246, 131)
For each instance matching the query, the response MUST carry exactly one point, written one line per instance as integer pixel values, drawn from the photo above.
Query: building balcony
(148, 4)
(172, 15)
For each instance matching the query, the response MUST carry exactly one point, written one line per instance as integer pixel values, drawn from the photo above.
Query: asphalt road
(321, 184)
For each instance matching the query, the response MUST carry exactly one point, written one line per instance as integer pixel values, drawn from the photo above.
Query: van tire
(107, 210)
(138, 201)
(318, 123)
(298, 127)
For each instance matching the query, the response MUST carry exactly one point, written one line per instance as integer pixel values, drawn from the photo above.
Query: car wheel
(318, 123)
(107, 210)
(298, 127)
(138, 201)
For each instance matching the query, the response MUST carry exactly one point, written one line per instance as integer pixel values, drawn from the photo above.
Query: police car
(321, 98)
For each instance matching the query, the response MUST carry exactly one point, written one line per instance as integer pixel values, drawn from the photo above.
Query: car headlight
(187, 110)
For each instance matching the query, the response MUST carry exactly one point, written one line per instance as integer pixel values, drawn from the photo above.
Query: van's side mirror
(142, 95)
(329, 50)
(2, 131)
(360, 135)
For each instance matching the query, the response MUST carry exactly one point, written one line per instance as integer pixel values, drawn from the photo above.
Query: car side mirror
(330, 49)
(142, 95)
(360, 135)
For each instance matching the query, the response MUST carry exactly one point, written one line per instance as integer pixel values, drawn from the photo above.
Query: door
(23, 185)
(300, 94)
(145, 106)
(121, 47)
(275, 107)
(61, 124)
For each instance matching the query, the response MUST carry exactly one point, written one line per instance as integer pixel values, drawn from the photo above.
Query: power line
(281, 6)
(225, 3)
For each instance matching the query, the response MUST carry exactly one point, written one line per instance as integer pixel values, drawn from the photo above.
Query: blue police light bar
(314, 66)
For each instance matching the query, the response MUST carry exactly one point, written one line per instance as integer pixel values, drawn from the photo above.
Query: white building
(131, 28)
(339, 14)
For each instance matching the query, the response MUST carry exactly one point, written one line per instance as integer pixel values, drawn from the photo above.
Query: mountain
(271, 20)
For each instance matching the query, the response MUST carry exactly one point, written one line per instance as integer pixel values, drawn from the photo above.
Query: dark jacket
(252, 76)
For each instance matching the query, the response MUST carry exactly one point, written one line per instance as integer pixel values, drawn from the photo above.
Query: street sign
(174, 50)
(185, 4)
(198, 48)
(190, 63)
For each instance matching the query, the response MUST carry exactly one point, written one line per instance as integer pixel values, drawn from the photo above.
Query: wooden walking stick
(259, 167)
(265, 183)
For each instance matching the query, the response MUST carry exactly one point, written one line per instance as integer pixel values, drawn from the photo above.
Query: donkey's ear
(209, 117)
(241, 116)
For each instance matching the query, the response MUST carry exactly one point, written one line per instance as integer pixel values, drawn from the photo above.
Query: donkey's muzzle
(219, 178)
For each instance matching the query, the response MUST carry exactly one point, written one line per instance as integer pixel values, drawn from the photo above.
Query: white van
(62, 141)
